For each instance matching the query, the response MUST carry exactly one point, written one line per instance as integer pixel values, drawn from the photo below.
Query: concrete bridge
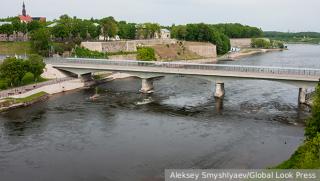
(302, 78)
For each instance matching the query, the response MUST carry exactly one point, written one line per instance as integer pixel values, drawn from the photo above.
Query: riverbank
(16, 99)
(13, 103)
(247, 53)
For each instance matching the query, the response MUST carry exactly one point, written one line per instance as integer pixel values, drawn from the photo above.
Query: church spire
(24, 12)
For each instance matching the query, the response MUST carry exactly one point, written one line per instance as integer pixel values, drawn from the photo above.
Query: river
(124, 135)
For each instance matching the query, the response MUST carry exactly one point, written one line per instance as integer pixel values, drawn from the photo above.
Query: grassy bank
(308, 155)
(12, 48)
(12, 103)
(29, 98)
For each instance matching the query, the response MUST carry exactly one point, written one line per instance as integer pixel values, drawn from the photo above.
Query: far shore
(247, 53)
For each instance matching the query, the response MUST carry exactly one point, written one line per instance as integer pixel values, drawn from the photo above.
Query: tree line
(217, 34)
(16, 72)
(72, 29)
(275, 34)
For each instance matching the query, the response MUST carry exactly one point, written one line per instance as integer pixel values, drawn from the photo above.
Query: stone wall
(125, 46)
(206, 50)
(240, 42)
(14, 37)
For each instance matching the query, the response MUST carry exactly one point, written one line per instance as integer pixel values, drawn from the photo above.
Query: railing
(218, 67)
(24, 89)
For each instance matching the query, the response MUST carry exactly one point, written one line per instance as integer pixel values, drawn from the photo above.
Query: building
(25, 18)
(165, 34)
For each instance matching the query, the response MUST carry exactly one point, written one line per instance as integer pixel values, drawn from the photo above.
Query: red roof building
(25, 19)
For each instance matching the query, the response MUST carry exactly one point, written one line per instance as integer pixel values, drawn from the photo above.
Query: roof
(25, 18)
(52, 25)
(4, 23)
(165, 30)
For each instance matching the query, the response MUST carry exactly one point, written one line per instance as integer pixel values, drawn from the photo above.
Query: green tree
(60, 31)
(6, 29)
(34, 25)
(179, 32)
(146, 54)
(35, 65)
(28, 78)
(3, 84)
(127, 30)
(260, 43)
(40, 41)
(313, 124)
(12, 70)
(147, 30)
(109, 27)
(204, 33)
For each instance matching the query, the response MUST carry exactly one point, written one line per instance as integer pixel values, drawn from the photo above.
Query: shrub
(313, 124)
(3, 84)
(146, 54)
(260, 43)
(306, 157)
(28, 78)
(86, 53)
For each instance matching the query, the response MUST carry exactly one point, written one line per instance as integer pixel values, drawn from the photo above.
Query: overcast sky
(280, 15)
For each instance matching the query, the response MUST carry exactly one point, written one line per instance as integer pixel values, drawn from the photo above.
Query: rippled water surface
(124, 135)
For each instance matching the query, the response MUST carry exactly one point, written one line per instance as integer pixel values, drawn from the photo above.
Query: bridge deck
(239, 71)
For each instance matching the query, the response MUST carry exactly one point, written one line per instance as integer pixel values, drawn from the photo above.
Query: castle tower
(24, 12)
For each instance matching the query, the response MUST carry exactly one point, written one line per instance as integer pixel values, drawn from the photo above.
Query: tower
(24, 12)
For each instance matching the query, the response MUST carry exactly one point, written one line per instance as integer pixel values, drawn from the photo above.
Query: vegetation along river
(124, 135)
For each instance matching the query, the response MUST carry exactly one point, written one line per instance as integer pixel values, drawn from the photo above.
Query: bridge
(302, 78)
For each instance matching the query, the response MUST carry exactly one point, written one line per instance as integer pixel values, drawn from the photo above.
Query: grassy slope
(30, 98)
(12, 48)
(174, 52)
(306, 157)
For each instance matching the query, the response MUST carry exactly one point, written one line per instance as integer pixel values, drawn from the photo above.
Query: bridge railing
(217, 67)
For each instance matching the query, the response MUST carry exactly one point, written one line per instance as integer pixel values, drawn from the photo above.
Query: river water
(124, 135)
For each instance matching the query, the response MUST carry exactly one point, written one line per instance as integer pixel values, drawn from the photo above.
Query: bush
(146, 54)
(260, 43)
(306, 157)
(28, 78)
(313, 124)
(3, 84)
(86, 53)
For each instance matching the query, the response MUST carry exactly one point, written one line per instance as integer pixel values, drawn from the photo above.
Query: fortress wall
(240, 42)
(125, 46)
(205, 50)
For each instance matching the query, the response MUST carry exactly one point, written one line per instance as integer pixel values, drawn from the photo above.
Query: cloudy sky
(280, 15)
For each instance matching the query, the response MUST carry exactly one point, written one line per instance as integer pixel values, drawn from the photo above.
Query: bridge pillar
(302, 99)
(147, 86)
(219, 93)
